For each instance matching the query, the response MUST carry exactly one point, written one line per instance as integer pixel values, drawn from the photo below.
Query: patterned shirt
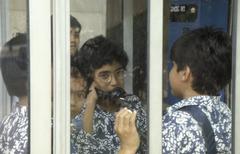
(182, 134)
(103, 139)
(14, 132)
(76, 125)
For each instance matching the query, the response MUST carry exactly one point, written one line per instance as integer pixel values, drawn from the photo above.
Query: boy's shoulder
(207, 104)
(12, 120)
(216, 111)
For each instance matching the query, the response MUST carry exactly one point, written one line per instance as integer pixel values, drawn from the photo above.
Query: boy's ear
(185, 74)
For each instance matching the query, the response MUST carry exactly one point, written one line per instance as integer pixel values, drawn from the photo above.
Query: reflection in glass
(77, 83)
(102, 100)
(112, 20)
(14, 64)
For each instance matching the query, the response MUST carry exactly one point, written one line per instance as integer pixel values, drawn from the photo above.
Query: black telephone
(115, 94)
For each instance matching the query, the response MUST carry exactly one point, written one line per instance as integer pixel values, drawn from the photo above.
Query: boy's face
(74, 39)
(77, 94)
(175, 81)
(109, 76)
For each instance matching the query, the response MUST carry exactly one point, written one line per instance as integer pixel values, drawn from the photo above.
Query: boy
(102, 64)
(201, 68)
(75, 29)
(77, 81)
(15, 72)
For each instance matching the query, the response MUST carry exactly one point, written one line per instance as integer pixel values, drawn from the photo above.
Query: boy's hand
(92, 95)
(126, 131)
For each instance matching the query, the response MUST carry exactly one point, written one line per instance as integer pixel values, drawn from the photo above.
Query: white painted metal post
(40, 76)
(155, 75)
(236, 77)
(61, 76)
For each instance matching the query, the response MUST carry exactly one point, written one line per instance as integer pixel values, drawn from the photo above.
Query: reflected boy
(77, 82)
(14, 67)
(74, 34)
(102, 64)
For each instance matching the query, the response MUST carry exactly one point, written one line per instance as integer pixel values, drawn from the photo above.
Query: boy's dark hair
(97, 52)
(207, 52)
(14, 64)
(74, 23)
(75, 73)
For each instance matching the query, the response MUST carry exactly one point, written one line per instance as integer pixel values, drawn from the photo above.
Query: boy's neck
(190, 93)
(23, 101)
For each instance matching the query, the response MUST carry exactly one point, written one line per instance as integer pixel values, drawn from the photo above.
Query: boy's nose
(72, 38)
(114, 81)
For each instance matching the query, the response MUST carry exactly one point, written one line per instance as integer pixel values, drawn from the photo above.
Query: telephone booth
(145, 29)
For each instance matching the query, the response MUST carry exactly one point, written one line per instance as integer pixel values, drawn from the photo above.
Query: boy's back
(201, 68)
(182, 133)
(14, 132)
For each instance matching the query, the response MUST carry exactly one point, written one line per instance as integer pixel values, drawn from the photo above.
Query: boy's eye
(104, 76)
(120, 73)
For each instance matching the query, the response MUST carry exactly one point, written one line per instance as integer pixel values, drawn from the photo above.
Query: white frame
(40, 76)
(61, 76)
(155, 24)
(236, 77)
(5, 105)
(4, 16)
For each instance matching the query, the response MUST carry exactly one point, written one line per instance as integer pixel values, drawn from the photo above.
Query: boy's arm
(89, 111)
(126, 130)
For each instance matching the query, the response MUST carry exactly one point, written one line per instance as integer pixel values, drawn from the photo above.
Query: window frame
(61, 76)
(155, 40)
(235, 76)
(40, 67)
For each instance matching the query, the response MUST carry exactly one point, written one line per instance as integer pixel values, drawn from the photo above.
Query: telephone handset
(117, 95)
(111, 95)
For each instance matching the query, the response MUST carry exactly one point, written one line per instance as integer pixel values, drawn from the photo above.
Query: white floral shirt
(14, 132)
(103, 139)
(182, 134)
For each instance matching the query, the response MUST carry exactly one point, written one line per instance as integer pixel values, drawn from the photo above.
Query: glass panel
(104, 78)
(14, 80)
